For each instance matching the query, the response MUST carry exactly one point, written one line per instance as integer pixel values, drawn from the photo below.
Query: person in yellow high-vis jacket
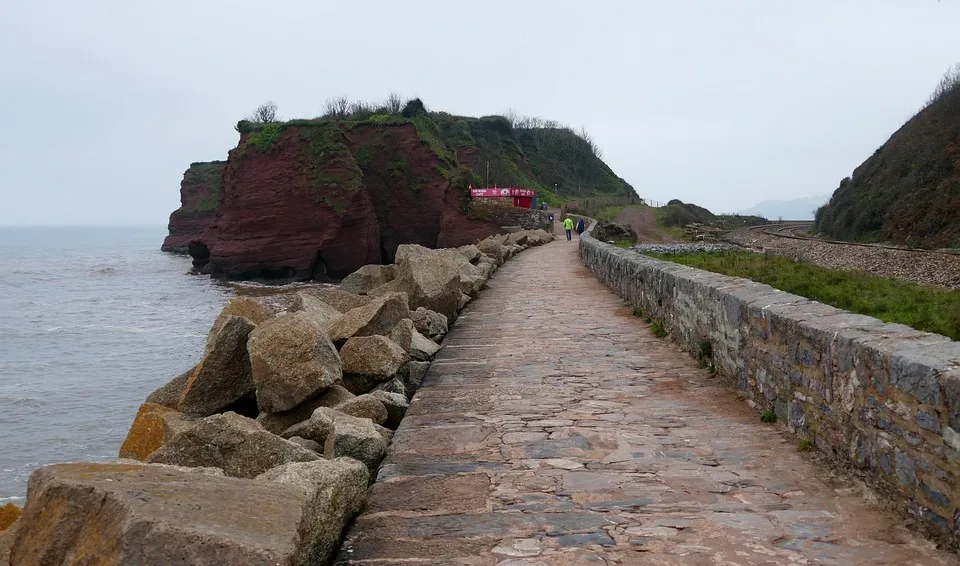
(568, 226)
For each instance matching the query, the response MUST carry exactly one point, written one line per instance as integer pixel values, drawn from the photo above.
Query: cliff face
(294, 206)
(196, 219)
(908, 191)
(413, 190)
(317, 199)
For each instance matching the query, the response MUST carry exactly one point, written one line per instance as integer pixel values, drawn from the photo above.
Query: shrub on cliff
(264, 138)
(414, 108)
(266, 113)
(498, 124)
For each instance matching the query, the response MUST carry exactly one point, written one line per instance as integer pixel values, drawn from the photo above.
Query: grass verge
(926, 308)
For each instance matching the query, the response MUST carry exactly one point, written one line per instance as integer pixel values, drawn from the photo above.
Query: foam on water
(91, 321)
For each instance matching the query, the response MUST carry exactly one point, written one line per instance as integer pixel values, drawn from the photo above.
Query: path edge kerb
(881, 400)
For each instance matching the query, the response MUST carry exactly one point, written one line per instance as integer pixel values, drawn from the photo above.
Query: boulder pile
(262, 452)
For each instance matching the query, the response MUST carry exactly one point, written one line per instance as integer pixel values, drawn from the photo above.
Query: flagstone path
(555, 429)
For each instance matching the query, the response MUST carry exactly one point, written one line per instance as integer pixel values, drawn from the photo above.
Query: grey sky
(721, 103)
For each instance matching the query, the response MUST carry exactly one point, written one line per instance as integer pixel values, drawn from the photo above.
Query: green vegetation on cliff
(331, 169)
(925, 308)
(206, 178)
(545, 156)
(908, 191)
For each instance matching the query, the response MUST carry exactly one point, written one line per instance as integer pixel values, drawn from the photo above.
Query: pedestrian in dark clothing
(581, 226)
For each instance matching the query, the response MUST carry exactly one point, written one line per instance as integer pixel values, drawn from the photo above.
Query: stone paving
(555, 429)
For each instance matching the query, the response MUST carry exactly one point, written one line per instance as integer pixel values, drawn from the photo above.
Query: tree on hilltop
(265, 113)
(337, 107)
(394, 103)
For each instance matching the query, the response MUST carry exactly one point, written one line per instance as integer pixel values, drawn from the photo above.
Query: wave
(42, 275)
(27, 402)
(191, 335)
(131, 329)
(81, 328)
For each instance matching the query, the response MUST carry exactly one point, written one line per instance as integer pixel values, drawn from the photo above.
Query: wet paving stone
(554, 429)
(596, 537)
(561, 448)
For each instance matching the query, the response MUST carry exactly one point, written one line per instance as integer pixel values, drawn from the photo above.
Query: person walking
(568, 226)
(581, 226)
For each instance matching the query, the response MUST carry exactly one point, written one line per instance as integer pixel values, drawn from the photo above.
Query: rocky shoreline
(263, 452)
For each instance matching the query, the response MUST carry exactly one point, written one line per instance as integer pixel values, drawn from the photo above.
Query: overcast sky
(721, 103)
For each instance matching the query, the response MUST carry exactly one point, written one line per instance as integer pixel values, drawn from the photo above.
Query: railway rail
(791, 239)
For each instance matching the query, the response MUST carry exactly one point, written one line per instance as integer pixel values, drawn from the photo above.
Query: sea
(91, 321)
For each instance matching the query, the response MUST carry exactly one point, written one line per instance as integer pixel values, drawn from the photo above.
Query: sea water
(91, 321)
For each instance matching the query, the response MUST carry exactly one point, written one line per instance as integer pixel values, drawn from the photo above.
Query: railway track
(800, 230)
(792, 239)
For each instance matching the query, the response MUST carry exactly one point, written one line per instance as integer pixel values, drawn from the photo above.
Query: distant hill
(908, 191)
(796, 209)
(678, 214)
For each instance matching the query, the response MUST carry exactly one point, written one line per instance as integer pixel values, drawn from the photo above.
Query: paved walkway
(554, 429)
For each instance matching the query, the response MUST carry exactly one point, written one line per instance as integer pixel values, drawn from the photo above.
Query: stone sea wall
(263, 452)
(880, 399)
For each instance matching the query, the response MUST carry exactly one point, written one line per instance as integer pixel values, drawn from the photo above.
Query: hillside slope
(315, 199)
(556, 162)
(908, 191)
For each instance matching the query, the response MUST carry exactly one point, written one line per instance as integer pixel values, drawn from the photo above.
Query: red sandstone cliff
(196, 219)
(320, 200)
(293, 209)
(414, 199)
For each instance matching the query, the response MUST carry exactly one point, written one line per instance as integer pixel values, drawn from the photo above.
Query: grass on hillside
(922, 307)
(608, 213)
